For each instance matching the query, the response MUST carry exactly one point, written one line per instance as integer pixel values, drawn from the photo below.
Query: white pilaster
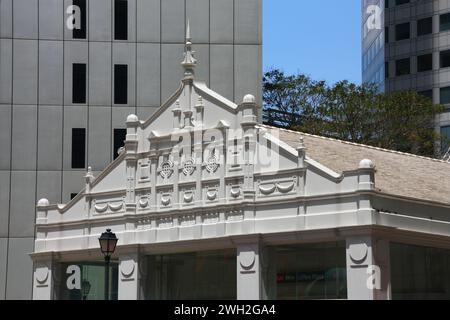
(129, 278)
(249, 275)
(368, 274)
(43, 280)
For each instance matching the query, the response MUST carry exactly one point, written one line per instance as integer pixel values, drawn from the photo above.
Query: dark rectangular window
(386, 70)
(444, 22)
(402, 67)
(424, 26)
(78, 148)
(445, 59)
(120, 135)
(425, 62)
(73, 195)
(81, 32)
(79, 83)
(120, 84)
(419, 273)
(386, 4)
(121, 20)
(386, 34)
(399, 2)
(445, 95)
(402, 31)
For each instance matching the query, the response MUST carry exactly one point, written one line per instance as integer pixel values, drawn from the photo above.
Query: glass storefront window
(420, 273)
(85, 281)
(306, 272)
(192, 276)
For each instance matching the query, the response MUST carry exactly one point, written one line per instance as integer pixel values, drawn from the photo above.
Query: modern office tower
(406, 46)
(67, 65)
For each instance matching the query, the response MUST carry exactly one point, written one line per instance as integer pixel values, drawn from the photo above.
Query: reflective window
(85, 281)
(192, 276)
(444, 22)
(306, 272)
(445, 95)
(419, 273)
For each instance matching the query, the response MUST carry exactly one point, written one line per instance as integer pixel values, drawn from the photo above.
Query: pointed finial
(301, 144)
(188, 32)
(189, 63)
(89, 176)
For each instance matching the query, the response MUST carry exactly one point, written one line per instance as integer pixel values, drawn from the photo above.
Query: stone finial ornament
(190, 62)
(249, 99)
(132, 118)
(43, 203)
(366, 164)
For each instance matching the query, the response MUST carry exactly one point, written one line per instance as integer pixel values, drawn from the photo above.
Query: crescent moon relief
(101, 208)
(235, 193)
(211, 195)
(115, 207)
(285, 189)
(143, 203)
(165, 201)
(127, 269)
(42, 275)
(188, 198)
(267, 191)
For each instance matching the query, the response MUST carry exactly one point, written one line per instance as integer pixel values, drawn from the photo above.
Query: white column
(249, 275)
(129, 277)
(43, 280)
(368, 274)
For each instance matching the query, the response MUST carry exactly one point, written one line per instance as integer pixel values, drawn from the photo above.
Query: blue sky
(321, 38)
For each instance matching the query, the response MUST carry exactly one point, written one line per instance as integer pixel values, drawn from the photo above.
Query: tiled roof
(397, 173)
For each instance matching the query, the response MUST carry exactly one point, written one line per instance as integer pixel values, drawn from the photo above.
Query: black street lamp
(108, 242)
(85, 288)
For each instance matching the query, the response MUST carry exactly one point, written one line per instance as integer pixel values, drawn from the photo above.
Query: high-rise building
(67, 65)
(406, 46)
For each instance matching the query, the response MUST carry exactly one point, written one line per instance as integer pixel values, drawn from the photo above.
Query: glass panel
(307, 272)
(78, 148)
(445, 95)
(192, 276)
(80, 33)
(85, 281)
(444, 22)
(420, 273)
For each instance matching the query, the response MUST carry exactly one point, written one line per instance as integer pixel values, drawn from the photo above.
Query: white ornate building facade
(209, 204)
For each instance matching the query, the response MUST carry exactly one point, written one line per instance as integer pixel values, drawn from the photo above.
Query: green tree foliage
(402, 121)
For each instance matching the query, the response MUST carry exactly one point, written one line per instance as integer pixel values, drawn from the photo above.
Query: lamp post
(85, 288)
(108, 242)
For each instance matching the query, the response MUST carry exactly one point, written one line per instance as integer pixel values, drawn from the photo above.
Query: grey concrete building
(406, 47)
(64, 93)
